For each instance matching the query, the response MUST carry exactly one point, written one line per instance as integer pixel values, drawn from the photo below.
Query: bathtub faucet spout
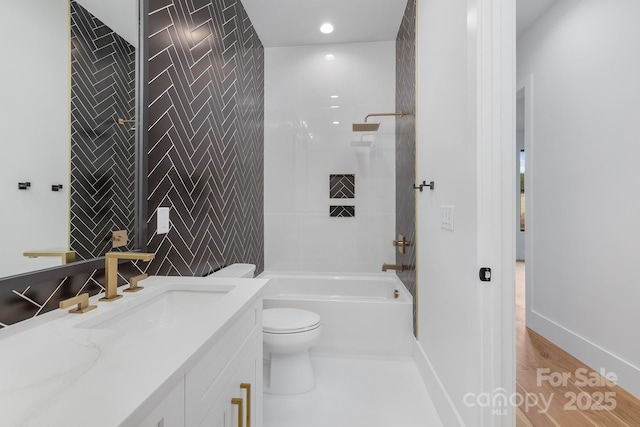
(397, 267)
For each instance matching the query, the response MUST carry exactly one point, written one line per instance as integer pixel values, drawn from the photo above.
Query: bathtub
(360, 313)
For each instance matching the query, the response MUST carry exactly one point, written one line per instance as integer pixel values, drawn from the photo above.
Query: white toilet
(288, 333)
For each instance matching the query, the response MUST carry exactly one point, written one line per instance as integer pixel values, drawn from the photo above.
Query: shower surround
(311, 103)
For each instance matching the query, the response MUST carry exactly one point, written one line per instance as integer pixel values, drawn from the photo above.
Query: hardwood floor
(584, 399)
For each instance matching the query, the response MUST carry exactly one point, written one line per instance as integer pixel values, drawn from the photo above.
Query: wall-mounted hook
(56, 187)
(24, 185)
(431, 185)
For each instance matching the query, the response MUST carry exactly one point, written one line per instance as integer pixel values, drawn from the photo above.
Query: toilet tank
(236, 270)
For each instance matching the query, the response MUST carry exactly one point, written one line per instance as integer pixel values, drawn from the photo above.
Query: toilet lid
(288, 320)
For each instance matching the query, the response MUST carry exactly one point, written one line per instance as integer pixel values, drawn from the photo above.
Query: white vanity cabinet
(237, 405)
(232, 369)
(170, 412)
(224, 387)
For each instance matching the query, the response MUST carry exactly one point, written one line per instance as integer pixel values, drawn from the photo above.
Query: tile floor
(356, 392)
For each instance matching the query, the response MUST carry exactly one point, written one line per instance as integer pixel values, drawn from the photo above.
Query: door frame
(496, 103)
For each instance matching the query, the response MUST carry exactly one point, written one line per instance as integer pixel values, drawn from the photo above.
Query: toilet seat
(289, 320)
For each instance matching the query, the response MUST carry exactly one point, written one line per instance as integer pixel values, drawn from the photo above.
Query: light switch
(446, 217)
(162, 217)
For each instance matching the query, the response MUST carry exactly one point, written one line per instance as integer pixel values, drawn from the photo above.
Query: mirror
(68, 166)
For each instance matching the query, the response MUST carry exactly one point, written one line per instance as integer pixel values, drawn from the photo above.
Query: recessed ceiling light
(336, 123)
(335, 106)
(334, 96)
(329, 57)
(326, 28)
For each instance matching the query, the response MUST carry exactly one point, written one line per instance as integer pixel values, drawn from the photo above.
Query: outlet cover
(446, 217)
(163, 222)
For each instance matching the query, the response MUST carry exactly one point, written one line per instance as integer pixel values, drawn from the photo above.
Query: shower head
(372, 126)
(365, 127)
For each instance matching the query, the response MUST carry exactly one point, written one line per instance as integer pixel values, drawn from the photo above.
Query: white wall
(34, 130)
(447, 274)
(303, 147)
(583, 276)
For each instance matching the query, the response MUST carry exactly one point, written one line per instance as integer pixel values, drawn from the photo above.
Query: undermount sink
(164, 311)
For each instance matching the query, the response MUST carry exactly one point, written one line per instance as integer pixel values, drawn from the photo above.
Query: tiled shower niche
(342, 211)
(342, 186)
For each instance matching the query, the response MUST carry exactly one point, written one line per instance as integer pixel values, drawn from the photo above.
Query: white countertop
(56, 373)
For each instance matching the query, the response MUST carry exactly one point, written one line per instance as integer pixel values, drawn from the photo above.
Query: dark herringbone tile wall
(406, 145)
(102, 151)
(206, 121)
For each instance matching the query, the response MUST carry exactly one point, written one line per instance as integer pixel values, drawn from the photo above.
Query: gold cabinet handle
(239, 402)
(247, 387)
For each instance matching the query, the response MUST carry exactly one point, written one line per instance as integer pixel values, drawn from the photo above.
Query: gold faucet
(81, 300)
(111, 271)
(397, 267)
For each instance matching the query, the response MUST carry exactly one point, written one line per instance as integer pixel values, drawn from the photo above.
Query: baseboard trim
(447, 411)
(586, 351)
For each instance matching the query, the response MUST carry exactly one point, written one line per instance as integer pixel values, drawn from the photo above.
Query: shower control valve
(401, 243)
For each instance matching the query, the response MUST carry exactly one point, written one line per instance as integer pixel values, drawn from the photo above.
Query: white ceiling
(297, 22)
